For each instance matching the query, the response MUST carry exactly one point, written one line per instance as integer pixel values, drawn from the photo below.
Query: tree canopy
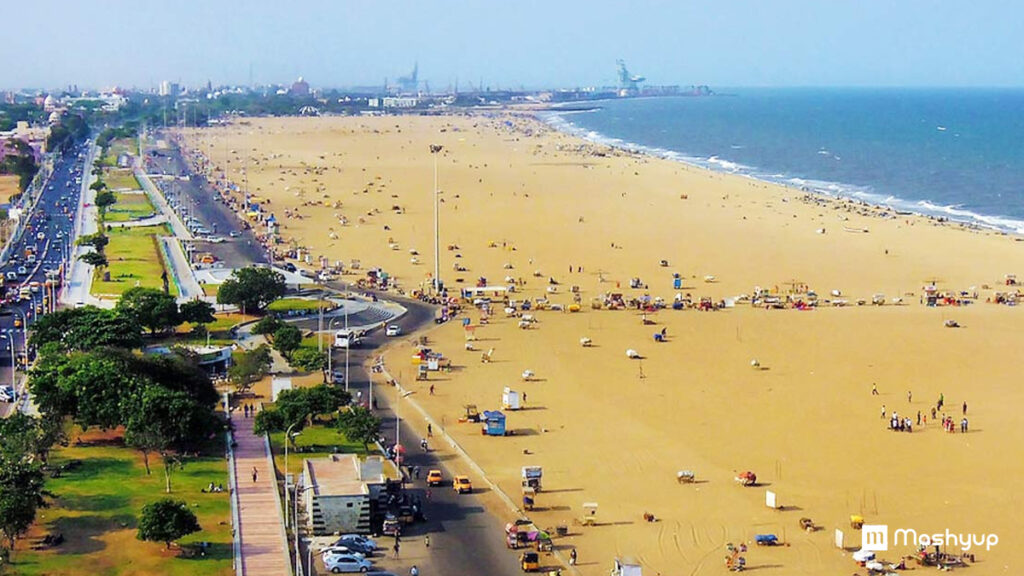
(295, 408)
(358, 424)
(287, 339)
(196, 312)
(252, 288)
(86, 328)
(166, 520)
(308, 359)
(151, 308)
(249, 366)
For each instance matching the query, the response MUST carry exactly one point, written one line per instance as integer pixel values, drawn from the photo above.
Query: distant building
(393, 102)
(168, 88)
(300, 88)
(346, 494)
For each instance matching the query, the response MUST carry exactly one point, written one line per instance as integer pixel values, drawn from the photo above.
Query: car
(22, 271)
(12, 275)
(462, 485)
(358, 543)
(338, 563)
(338, 376)
(234, 233)
(435, 478)
(393, 330)
(340, 551)
(289, 267)
(40, 236)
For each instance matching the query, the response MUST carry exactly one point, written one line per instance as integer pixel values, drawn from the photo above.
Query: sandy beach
(519, 200)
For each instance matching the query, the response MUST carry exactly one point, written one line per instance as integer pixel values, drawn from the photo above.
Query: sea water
(952, 153)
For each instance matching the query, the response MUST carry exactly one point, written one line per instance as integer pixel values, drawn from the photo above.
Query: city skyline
(527, 45)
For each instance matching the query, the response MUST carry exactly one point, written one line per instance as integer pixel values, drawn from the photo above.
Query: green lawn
(121, 179)
(315, 441)
(96, 509)
(129, 207)
(135, 259)
(286, 304)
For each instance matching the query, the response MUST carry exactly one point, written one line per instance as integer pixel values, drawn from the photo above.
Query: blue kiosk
(494, 423)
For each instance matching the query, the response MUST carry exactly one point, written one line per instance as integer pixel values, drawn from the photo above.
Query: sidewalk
(264, 550)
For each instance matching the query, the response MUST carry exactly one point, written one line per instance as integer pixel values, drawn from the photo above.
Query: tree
(98, 241)
(267, 325)
(161, 420)
(97, 185)
(21, 495)
(104, 199)
(86, 328)
(359, 424)
(287, 339)
(295, 408)
(252, 288)
(151, 308)
(197, 312)
(309, 359)
(249, 366)
(166, 520)
(97, 259)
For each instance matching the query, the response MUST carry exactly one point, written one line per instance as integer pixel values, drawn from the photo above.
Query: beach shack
(494, 423)
(489, 292)
(510, 399)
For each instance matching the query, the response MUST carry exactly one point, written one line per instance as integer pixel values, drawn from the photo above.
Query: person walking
(414, 571)
(572, 557)
(426, 540)
(874, 389)
(430, 431)
(910, 396)
(883, 411)
(255, 474)
(431, 389)
(396, 548)
(965, 408)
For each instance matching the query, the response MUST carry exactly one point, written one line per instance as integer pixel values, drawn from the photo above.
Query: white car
(339, 550)
(346, 563)
(393, 330)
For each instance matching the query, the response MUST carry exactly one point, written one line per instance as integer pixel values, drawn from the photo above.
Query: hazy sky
(513, 43)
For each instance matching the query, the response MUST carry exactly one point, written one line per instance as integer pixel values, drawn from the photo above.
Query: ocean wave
(866, 194)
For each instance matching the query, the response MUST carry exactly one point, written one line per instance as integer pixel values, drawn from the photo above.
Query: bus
(347, 338)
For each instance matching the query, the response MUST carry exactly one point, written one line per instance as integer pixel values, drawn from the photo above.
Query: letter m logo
(874, 537)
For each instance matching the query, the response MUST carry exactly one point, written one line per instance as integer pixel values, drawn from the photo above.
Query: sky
(514, 44)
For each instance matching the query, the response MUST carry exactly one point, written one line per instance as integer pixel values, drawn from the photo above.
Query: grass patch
(135, 258)
(210, 289)
(129, 207)
(317, 441)
(97, 506)
(121, 179)
(299, 305)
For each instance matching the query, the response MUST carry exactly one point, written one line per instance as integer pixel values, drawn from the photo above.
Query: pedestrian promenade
(263, 546)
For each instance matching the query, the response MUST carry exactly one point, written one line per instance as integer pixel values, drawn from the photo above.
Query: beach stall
(626, 567)
(510, 399)
(494, 423)
(532, 476)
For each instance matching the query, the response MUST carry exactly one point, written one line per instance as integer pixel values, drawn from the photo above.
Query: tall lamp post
(435, 149)
(287, 440)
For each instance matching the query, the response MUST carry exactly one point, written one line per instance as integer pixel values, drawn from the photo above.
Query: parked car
(356, 541)
(340, 551)
(346, 563)
(393, 330)
(462, 485)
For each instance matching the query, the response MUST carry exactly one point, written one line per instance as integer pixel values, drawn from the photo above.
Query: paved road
(42, 248)
(191, 196)
(465, 538)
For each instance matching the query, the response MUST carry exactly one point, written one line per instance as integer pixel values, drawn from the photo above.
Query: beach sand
(612, 430)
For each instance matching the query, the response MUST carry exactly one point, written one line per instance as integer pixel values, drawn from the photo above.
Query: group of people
(898, 424)
(950, 426)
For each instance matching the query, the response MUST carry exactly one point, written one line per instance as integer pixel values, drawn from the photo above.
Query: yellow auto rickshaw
(529, 561)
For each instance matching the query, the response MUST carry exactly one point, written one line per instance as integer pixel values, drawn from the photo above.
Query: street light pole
(435, 149)
(287, 440)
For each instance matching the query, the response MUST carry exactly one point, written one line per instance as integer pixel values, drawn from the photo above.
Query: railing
(236, 528)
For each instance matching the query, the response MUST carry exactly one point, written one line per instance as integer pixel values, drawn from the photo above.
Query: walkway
(263, 546)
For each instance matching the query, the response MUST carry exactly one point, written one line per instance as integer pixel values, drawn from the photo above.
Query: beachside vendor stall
(494, 423)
